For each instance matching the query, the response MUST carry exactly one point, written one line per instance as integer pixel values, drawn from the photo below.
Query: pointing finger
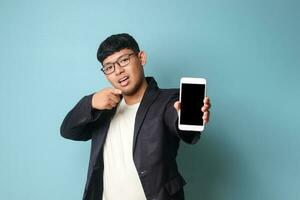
(116, 91)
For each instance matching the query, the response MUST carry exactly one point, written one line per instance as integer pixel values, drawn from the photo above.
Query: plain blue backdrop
(247, 50)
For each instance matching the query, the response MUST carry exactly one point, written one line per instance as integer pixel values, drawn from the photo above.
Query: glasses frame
(118, 61)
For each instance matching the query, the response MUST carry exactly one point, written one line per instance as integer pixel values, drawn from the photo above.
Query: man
(133, 128)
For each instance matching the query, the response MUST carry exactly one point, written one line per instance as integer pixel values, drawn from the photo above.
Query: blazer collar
(152, 85)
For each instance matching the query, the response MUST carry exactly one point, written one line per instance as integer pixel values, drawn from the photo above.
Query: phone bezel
(189, 80)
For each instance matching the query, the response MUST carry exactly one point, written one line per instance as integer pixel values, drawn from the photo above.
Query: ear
(142, 57)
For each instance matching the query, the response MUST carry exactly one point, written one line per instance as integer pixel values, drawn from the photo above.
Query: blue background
(247, 50)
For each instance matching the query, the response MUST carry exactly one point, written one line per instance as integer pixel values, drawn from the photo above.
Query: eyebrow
(117, 59)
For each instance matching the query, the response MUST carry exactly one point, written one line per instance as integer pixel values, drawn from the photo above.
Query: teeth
(123, 79)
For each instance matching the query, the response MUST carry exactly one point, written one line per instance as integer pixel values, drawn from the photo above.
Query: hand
(205, 109)
(107, 98)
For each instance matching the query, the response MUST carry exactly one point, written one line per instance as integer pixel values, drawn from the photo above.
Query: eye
(124, 60)
(108, 68)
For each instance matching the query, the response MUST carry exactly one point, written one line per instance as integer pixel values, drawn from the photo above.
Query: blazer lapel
(150, 95)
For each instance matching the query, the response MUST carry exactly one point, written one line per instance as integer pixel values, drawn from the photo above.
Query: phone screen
(192, 96)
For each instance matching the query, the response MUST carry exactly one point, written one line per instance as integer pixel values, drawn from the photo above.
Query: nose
(118, 69)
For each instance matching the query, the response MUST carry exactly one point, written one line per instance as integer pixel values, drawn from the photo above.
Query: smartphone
(192, 94)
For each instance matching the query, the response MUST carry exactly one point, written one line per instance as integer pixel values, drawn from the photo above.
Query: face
(129, 78)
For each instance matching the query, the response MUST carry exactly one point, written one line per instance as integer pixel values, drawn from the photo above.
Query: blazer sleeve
(77, 124)
(171, 121)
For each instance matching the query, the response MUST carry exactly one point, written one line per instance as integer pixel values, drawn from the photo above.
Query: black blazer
(155, 145)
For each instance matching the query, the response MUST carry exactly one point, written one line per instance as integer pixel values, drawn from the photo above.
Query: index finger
(116, 91)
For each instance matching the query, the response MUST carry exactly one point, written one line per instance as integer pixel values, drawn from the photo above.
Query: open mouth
(123, 81)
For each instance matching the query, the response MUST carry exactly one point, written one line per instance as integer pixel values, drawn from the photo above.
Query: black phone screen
(192, 96)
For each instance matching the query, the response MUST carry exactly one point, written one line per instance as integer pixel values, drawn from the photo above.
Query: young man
(133, 128)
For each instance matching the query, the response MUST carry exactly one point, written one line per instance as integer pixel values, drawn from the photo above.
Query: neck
(137, 96)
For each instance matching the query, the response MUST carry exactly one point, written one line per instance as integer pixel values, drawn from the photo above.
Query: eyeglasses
(122, 62)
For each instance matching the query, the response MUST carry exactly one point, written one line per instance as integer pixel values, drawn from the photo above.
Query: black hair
(115, 43)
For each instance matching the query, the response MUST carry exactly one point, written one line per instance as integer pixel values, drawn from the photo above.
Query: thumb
(177, 106)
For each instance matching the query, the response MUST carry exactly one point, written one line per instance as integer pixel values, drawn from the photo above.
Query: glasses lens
(124, 61)
(108, 69)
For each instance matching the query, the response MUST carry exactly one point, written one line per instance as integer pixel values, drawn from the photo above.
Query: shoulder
(167, 95)
(169, 92)
(170, 95)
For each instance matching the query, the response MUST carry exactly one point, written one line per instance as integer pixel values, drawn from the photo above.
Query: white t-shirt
(120, 177)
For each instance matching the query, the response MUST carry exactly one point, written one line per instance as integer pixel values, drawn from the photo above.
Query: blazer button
(143, 172)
